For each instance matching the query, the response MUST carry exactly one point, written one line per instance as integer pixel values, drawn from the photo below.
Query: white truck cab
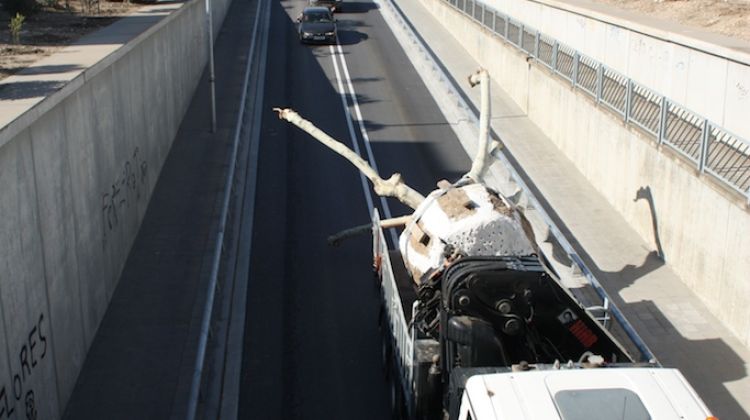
(582, 394)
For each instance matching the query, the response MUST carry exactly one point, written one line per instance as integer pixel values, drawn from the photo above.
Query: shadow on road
(357, 7)
(349, 37)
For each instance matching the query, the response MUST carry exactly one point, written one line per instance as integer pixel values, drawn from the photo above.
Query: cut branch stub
(392, 187)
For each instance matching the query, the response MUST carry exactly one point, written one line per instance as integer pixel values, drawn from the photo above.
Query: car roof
(316, 9)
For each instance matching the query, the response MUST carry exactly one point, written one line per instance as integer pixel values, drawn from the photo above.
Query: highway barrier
(77, 170)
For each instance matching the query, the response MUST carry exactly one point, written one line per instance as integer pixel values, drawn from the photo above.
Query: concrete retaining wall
(76, 173)
(708, 74)
(704, 229)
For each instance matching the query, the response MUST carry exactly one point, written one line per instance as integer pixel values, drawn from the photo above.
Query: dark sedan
(317, 25)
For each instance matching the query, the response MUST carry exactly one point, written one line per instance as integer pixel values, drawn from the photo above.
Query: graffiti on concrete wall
(16, 393)
(126, 190)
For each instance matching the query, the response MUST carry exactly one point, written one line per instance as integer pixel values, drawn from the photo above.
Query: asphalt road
(312, 347)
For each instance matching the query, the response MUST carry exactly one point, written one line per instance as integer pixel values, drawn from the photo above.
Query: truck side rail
(394, 310)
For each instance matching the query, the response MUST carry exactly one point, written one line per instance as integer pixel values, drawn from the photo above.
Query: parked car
(333, 5)
(317, 25)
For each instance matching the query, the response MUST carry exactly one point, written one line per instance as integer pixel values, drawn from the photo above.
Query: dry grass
(52, 28)
(730, 17)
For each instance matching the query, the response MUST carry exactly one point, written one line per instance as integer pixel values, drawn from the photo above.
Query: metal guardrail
(711, 148)
(219, 244)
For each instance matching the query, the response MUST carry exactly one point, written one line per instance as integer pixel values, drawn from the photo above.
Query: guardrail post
(628, 99)
(555, 47)
(663, 119)
(599, 83)
(505, 30)
(576, 59)
(704, 145)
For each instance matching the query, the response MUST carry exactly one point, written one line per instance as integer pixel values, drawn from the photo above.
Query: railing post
(494, 21)
(704, 145)
(481, 17)
(628, 99)
(576, 59)
(663, 119)
(536, 44)
(599, 82)
(555, 47)
(520, 36)
(505, 29)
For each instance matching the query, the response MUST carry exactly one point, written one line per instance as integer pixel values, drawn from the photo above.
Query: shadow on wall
(644, 193)
(706, 363)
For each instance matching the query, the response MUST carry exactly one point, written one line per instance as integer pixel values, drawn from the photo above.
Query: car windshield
(316, 16)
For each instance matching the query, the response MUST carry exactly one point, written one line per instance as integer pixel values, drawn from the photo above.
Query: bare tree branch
(479, 165)
(336, 238)
(391, 187)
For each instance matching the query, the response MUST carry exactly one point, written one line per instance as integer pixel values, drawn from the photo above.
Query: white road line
(352, 135)
(363, 131)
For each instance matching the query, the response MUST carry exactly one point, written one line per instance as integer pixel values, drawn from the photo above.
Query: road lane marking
(352, 135)
(338, 51)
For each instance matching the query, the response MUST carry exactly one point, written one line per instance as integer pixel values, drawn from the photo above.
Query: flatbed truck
(495, 338)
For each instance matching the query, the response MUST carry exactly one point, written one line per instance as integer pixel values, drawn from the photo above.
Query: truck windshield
(600, 404)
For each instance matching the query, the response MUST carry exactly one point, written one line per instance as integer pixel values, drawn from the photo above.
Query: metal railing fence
(712, 149)
(399, 328)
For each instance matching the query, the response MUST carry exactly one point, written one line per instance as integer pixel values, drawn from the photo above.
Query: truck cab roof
(583, 394)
